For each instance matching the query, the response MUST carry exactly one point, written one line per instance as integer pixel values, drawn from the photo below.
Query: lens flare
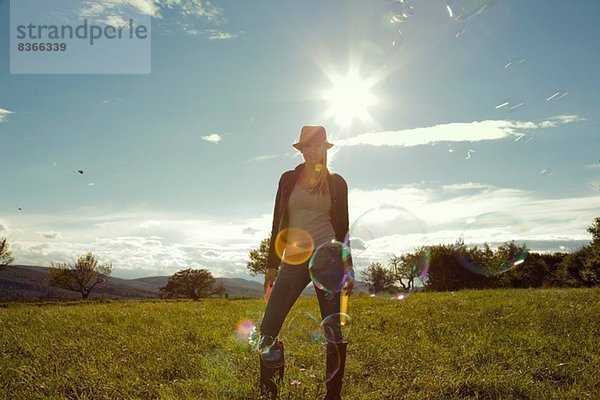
(294, 246)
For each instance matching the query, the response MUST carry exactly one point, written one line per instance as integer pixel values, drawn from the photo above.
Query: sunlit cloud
(263, 158)
(250, 231)
(212, 138)
(102, 7)
(137, 245)
(193, 8)
(475, 212)
(213, 34)
(456, 132)
(116, 21)
(4, 114)
(183, 13)
(4, 229)
(51, 235)
(145, 242)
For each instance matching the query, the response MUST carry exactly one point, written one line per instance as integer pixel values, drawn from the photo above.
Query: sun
(349, 98)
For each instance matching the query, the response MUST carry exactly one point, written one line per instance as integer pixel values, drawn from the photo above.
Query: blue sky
(181, 165)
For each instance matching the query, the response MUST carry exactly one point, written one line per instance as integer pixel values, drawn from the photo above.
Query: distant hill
(29, 283)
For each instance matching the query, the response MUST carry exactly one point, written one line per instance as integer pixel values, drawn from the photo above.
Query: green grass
(493, 344)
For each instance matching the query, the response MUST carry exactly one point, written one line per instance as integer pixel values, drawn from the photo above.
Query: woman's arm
(273, 259)
(344, 221)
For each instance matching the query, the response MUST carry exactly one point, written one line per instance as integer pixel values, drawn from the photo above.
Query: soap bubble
(496, 229)
(330, 329)
(400, 10)
(509, 105)
(397, 39)
(270, 348)
(515, 62)
(464, 10)
(326, 266)
(460, 151)
(324, 334)
(380, 228)
(557, 96)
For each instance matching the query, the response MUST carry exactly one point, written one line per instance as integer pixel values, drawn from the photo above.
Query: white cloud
(158, 243)
(250, 231)
(466, 186)
(107, 10)
(396, 220)
(133, 242)
(263, 158)
(218, 35)
(51, 235)
(212, 138)
(102, 7)
(4, 228)
(116, 21)
(196, 8)
(4, 114)
(455, 132)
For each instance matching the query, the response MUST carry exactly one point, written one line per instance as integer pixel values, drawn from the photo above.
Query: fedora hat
(312, 134)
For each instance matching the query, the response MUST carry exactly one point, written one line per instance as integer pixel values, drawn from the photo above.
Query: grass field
(493, 344)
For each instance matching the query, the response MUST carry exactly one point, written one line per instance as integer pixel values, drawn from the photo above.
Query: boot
(336, 352)
(271, 371)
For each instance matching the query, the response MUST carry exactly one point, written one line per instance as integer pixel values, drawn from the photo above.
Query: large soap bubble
(508, 234)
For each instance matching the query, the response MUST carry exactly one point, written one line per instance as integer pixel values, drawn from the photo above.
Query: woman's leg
(329, 299)
(329, 303)
(335, 350)
(290, 282)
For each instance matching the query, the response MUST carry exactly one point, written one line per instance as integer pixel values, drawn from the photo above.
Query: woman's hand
(349, 283)
(270, 278)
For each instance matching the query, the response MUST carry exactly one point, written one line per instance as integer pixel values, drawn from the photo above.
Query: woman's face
(313, 153)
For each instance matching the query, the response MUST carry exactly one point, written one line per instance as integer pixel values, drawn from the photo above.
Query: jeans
(290, 282)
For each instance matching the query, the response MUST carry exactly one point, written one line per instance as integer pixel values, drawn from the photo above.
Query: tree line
(456, 266)
(438, 268)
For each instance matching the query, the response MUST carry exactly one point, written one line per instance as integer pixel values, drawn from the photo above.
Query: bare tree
(82, 276)
(6, 256)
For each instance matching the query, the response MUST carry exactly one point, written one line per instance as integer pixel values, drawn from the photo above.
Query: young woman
(311, 214)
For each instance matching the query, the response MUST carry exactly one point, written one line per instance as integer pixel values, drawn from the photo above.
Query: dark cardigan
(338, 190)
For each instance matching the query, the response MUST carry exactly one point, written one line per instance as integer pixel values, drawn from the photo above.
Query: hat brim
(298, 146)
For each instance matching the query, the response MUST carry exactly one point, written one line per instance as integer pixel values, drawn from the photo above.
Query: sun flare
(349, 98)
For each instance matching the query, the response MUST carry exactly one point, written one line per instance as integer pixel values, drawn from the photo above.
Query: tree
(258, 258)
(594, 229)
(533, 272)
(82, 276)
(191, 283)
(455, 267)
(6, 256)
(407, 267)
(378, 278)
